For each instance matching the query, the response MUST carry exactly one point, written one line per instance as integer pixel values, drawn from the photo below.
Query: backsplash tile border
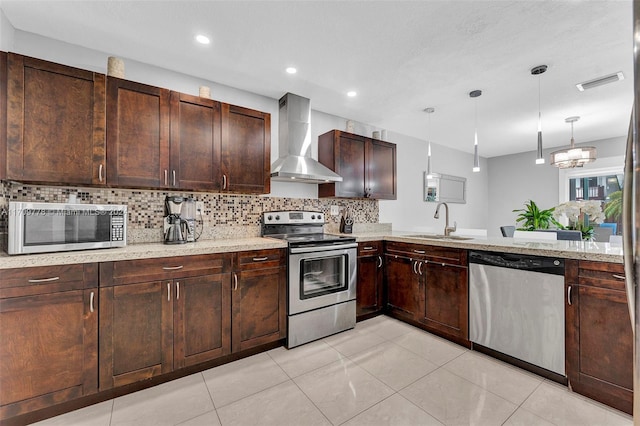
(224, 216)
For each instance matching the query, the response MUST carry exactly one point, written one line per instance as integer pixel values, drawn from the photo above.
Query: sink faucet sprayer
(447, 229)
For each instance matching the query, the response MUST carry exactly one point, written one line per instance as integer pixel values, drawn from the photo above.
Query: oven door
(321, 276)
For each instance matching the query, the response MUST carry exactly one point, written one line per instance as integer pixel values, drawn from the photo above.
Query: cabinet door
(136, 328)
(202, 320)
(445, 307)
(350, 164)
(369, 286)
(600, 345)
(195, 142)
(3, 116)
(258, 307)
(403, 286)
(48, 350)
(246, 150)
(137, 134)
(381, 170)
(56, 122)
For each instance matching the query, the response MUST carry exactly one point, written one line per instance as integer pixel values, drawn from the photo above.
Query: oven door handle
(315, 249)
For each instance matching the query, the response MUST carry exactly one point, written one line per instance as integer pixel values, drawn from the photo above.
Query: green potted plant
(613, 208)
(532, 218)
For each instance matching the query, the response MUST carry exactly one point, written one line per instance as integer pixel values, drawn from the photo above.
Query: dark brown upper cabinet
(246, 150)
(3, 115)
(195, 142)
(137, 135)
(55, 123)
(367, 166)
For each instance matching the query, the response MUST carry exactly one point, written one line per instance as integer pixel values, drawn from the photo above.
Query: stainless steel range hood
(294, 141)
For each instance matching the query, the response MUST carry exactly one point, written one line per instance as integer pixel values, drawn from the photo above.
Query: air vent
(612, 78)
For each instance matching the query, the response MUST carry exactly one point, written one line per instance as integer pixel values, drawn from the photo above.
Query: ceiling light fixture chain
(476, 157)
(539, 70)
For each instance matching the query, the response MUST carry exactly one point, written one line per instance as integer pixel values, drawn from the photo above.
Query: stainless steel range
(321, 297)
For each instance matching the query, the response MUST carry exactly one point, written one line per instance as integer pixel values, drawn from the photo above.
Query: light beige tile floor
(383, 372)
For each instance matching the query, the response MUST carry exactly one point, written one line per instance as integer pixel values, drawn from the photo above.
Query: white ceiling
(400, 56)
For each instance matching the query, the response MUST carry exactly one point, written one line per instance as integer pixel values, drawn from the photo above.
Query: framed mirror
(439, 187)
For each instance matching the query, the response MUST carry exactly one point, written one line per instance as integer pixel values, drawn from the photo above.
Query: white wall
(515, 179)
(6, 33)
(406, 213)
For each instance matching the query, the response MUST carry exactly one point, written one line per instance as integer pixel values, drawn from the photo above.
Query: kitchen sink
(440, 237)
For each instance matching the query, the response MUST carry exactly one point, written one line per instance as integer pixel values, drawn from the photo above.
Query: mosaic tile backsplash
(224, 215)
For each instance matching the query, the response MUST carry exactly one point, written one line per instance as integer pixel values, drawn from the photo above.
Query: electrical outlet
(335, 210)
(200, 206)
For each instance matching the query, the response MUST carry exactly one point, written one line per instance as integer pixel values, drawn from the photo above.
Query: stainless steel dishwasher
(516, 307)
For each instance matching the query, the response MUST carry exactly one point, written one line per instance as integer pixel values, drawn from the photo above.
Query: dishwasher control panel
(547, 265)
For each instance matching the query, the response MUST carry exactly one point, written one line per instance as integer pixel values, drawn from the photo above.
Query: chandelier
(573, 157)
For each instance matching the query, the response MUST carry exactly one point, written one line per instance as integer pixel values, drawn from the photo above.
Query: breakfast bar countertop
(580, 250)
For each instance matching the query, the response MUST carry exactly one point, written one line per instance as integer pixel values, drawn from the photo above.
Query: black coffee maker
(175, 227)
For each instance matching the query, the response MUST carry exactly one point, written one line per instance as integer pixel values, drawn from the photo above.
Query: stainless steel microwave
(52, 227)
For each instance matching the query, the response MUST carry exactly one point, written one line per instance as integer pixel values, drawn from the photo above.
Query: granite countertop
(581, 250)
(139, 251)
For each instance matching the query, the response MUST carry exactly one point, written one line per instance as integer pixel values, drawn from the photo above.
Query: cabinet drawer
(415, 251)
(47, 279)
(259, 259)
(370, 248)
(135, 271)
(601, 274)
(447, 255)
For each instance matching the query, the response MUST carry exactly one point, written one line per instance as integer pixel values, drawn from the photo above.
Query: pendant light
(429, 111)
(540, 69)
(572, 156)
(476, 158)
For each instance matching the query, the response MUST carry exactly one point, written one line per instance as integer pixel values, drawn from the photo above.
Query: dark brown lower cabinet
(369, 286)
(428, 286)
(599, 340)
(48, 336)
(177, 318)
(258, 298)
(444, 303)
(403, 287)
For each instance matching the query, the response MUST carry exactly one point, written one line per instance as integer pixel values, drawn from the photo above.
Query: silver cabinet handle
(260, 259)
(419, 251)
(166, 177)
(420, 268)
(415, 265)
(100, 173)
(172, 268)
(235, 282)
(379, 261)
(174, 177)
(620, 277)
(569, 295)
(91, 302)
(168, 292)
(224, 181)
(369, 248)
(44, 280)
(177, 290)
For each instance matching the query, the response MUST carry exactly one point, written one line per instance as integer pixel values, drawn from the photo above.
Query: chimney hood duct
(294, 141)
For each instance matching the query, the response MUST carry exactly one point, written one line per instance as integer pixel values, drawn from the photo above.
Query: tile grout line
(210, 397)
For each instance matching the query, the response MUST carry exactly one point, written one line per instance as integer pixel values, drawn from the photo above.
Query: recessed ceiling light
(202, 39)
(291, 70)
(352, 94)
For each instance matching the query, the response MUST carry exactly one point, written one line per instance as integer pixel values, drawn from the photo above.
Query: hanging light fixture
(540, 69)
(476, 158)
(429, 111)
(572, 156)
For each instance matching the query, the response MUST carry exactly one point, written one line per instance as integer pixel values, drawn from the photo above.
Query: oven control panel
(293, 217)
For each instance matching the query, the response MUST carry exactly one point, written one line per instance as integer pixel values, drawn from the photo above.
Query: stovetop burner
(299, 228)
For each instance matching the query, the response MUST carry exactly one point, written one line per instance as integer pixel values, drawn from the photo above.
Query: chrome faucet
(447, 229)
